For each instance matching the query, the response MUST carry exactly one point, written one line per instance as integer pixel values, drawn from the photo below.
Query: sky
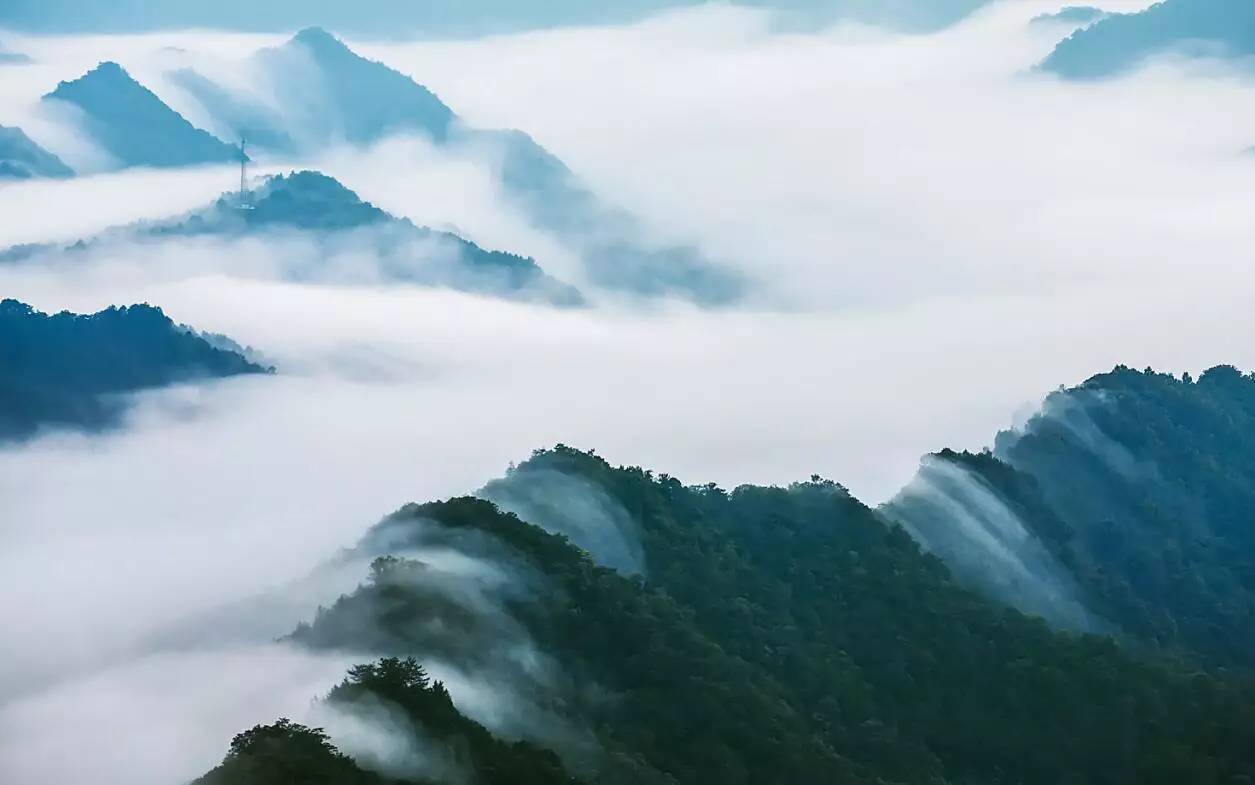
(937, 236)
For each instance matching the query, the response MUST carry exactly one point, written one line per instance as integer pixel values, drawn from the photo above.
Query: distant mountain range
(316, 208)
(72, 371)
(1120, 42)
(134, 126)
(363, 101)
(22, 159)
(8, 57)
(359, 101)
(439, 17)
(1125, 505)
(1072, 15)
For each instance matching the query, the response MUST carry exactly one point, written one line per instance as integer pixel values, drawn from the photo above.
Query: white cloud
(940, 236)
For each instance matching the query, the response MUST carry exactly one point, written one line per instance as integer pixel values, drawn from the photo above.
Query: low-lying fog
(936, 235)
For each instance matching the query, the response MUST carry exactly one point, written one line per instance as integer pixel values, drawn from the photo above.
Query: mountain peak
(106, 75)
(320, 41)
(134, 126)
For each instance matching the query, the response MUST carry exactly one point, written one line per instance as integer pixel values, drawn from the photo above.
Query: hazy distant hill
(1072, 15)
(355, 100)
(317, 209)
(22, 159)
(68, 370)
(782, 635)
(134, 126)
(1132, 495)
(8, 57)
(1122, 41)
(239, 118)
(362, 101)
(437, 17)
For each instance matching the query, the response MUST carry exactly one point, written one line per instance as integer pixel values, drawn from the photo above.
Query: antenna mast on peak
(244, 202)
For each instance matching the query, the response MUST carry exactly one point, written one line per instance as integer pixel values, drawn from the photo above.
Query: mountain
(292, 753)
(330, 223)
(69, 370)
(1121, 42)
(22, 159)
(8, 57)
(239, 118)
(439, 17)
(1132, 496)
(134, 126)
(357, 100)
(1072, 15)
(783, 635)
(362, 101)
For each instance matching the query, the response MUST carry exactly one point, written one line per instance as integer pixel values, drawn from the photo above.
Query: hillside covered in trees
(72, 370)
(285, 751)
(783, 635)
(1138, 488)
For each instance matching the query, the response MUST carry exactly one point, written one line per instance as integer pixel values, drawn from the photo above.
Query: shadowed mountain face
(326, 221)
(355, 99)
(1131, 495)
(783, 635)
(134, 126)
(22, 159)
(67, 370)
(1119, 42)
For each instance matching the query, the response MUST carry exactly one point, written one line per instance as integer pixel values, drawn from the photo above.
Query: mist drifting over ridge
(940, 234)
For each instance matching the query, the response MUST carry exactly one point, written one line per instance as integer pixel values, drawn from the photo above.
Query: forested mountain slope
(1139, 489)
(69, 370)
(783, 635)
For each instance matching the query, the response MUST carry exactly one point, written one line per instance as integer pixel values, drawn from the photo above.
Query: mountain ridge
(133, 125)
(313, 205)
(21, 158)
(1135, 486)
(1119, 43)
(70, 370)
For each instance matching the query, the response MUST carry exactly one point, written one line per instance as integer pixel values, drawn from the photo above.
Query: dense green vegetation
(1141, 487)
(71, 370)
(785, 635)
(1154, 477)
(288, 753)
(134, 126)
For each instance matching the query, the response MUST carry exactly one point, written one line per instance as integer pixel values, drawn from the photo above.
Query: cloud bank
(939, 234)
